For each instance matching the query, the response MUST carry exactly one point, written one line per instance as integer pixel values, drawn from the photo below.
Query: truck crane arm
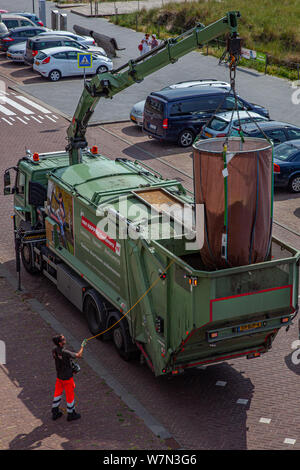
(108, 84)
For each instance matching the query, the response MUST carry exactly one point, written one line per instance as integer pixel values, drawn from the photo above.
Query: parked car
(179, 115)
(17, 52)
(137, 111)
(12, 20)
(3, 30)
(287, 165)
(17, 35)
(32, 16)
(63, 62)
(202, 82)
(40, 43)
(86, 40)
(222, 124)
(277, 131)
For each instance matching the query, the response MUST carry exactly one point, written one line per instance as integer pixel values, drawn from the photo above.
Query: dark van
(178, 115)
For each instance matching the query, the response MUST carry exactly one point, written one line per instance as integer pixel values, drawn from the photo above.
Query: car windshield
(218, 124)
(285, 151)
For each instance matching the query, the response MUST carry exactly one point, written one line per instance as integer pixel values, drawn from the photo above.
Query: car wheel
(102, 69)
(186, 138)
(54, 75)
(294, 184)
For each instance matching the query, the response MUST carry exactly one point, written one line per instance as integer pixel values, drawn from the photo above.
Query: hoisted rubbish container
(235, 184)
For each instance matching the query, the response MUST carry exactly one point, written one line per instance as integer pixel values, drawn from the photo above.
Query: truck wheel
(27, 257)
(95, 312)
(121, 337)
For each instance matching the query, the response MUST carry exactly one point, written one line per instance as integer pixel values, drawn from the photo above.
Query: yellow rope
(137, 302)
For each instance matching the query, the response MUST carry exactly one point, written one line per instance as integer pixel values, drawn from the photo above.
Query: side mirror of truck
(7, 183)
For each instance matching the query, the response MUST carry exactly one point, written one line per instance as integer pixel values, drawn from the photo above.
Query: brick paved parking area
(233, 405)
(26, 390)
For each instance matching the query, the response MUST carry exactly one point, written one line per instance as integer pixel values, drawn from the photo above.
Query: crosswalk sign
(84, 60)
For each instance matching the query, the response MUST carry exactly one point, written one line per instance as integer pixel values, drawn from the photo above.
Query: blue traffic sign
(84, 60)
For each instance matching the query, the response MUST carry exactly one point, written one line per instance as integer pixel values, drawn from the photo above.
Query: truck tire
(95, 312)
(121, 337)
(27, 257)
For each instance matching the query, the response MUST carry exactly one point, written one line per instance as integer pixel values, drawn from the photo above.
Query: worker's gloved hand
(83, 343)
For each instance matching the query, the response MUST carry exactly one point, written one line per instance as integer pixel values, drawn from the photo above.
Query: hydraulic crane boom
(110, 83)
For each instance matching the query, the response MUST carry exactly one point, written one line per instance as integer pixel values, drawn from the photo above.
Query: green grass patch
(272, 27)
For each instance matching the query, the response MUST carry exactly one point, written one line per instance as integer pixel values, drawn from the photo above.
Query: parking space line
(12, 119)
(242, 401)
(7, 121)
(33, 104)
(265, 420)
(24, 122)
(27, 118)
(41, 117)
(6, 111)
(289, 441)
(221, 383)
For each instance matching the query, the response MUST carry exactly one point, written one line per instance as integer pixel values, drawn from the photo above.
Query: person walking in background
(154, 41)
(146, 43)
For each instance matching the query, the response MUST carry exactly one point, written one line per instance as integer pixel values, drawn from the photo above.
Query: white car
(137, 111)
(60, 62)
(86, 40)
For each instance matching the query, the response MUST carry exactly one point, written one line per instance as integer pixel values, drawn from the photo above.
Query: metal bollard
(63, 22)
(42, 11)
(54, 19)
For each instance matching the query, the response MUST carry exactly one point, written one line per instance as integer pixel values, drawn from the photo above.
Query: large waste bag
(236, 187)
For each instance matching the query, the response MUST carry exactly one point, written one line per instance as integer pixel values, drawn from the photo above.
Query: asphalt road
(271, 92)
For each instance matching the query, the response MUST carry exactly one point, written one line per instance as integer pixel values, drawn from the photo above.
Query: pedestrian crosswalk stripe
(50, 118)
(21, 120)
(34, 105)
(7, 121)
(36, 119)
(16, 105)
(6, 111)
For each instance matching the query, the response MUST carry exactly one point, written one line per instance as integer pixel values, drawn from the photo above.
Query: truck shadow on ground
(198, 412)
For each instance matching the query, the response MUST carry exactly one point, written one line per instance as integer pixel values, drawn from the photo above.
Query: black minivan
(178, 115)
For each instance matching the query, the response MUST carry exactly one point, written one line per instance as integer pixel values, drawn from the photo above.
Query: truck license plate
(250, 326)
(152, 127)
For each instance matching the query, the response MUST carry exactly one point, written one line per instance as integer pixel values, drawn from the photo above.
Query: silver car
(137, 112)
(17, 52)
(86, 40)
(224, 124)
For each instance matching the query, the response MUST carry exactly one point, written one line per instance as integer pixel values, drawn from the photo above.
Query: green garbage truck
(116, 239)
